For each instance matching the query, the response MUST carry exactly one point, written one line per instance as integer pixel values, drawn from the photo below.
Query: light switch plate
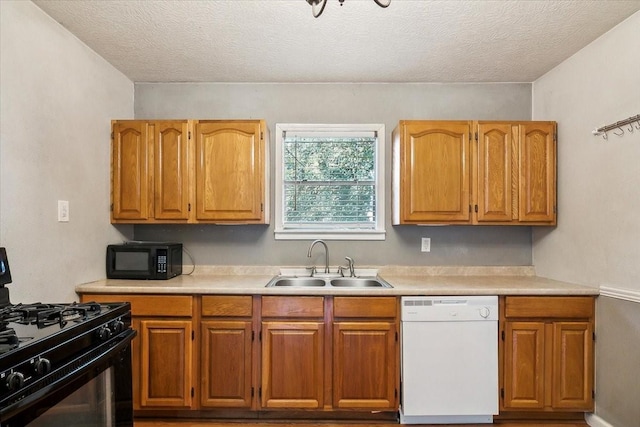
(426, 244)
(63, 211)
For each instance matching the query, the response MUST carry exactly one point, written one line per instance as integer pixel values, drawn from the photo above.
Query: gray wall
(596, 241)
(618, 361)
(342, 103)
(56, 101)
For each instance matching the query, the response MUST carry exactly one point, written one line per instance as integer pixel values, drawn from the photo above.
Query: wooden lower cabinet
(323, 354)
(292, 364)
(365, 353)
(263, 353)
(162, 352)
(364, 365)
(166, 370)
(226, 363)
(547, 354)
(292, 345)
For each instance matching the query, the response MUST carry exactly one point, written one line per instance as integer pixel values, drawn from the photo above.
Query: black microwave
(144, 260)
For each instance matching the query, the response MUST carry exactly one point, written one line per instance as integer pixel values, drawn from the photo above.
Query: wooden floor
(329, 424)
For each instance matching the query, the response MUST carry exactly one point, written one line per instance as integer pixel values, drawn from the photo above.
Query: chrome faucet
(352, 270)
(326, 253)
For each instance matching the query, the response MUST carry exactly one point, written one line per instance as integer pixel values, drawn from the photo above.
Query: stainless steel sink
(296, 281)
(345, 282)
(360, 282)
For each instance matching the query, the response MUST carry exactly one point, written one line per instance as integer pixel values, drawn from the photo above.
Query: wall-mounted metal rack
(621, 126)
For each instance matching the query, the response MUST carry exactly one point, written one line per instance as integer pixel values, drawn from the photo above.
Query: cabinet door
(572, 380)
(537, 172)
(230, 171)
(292, 364)
(171, 171)
(495, 172)
(166, 363)
(524, 371)
(434, 165)
(365, 365)
(130, 171)
(226, 364)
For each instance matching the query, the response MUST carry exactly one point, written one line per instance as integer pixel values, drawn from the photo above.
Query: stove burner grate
(8, 338)
(43, 315)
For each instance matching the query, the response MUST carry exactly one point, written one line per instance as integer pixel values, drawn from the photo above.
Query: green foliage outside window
(330, 181)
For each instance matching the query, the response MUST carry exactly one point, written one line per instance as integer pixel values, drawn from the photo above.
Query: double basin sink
(338, 282)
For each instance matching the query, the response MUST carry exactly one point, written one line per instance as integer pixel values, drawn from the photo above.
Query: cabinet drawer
(365, 307)
(292, 306)
(149, 305)
(562, 307)
(225, 305)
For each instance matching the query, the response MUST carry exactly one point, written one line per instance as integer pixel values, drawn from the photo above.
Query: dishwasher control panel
(450, 309)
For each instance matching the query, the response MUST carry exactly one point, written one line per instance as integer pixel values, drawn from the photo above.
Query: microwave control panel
(162, 261)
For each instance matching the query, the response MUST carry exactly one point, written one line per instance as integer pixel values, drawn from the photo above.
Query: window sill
(329, 235)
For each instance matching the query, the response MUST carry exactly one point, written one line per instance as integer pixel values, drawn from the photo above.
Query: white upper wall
(57, 98)
(597, 240)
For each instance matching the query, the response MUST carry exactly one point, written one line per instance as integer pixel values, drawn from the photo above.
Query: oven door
(93, 391)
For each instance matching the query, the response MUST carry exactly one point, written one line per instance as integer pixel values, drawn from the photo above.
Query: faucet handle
(312, 270)
(352, 271)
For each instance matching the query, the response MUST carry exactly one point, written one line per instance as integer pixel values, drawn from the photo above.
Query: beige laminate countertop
(405, 281)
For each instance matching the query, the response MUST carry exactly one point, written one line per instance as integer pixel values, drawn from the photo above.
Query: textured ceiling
(280, 41)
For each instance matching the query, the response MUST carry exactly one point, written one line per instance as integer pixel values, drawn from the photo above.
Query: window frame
(378, 232)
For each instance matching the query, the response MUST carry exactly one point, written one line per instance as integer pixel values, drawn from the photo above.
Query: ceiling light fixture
(317, 6)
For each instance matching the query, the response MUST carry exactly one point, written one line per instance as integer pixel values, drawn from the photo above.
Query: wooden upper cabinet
(496, 175)
(507, 176)
(130, 171)
(160, 174)
(230, 171)
(431, 172)
(150, 171)
(537, 172)
(171, 170)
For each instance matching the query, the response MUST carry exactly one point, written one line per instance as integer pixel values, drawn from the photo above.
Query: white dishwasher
(449, 359)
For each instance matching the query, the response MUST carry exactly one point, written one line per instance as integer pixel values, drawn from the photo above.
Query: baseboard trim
(595, 421)
(620, 293)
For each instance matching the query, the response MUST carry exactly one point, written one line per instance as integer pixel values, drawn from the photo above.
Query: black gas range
(64, 364)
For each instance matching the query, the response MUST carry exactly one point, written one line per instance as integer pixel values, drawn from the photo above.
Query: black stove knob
(104, 333)
(14, 381)
(42, 366)
(117, 326)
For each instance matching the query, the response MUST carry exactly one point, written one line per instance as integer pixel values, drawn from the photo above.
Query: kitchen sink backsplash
(391, 270)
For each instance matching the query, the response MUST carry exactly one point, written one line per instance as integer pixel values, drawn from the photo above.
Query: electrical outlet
(63, 211)
(426, 244)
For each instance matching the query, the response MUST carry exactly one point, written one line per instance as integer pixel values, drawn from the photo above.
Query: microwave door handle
(112, 258)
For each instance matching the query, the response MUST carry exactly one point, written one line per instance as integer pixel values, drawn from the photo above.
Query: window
(330, 181)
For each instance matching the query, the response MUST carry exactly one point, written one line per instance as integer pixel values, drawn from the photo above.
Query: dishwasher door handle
(450, 302)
